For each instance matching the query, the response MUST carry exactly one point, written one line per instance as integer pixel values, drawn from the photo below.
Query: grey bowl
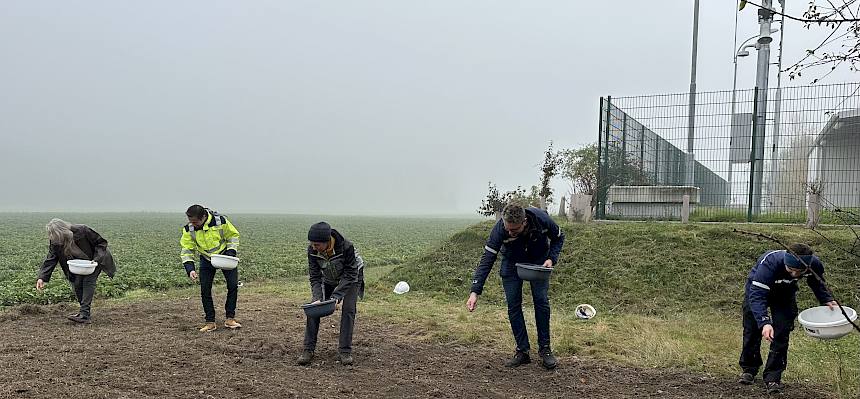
(322, 309)
(532, 272)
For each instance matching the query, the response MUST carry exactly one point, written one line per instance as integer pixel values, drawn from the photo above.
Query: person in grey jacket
(76, 241)
(336, 271)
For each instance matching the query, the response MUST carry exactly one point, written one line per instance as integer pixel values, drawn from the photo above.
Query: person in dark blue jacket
(522, 235)
(772, 284)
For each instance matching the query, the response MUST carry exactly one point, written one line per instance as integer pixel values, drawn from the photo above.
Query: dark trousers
(207, 275)
(514, 296)
(84, 288)
(782, 316)
(347, 320)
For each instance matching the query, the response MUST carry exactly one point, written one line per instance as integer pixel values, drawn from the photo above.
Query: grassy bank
(668, 295)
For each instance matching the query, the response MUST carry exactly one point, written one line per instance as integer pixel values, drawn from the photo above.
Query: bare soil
(152, 349)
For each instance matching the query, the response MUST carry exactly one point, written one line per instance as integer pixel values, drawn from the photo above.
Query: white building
(834, 160)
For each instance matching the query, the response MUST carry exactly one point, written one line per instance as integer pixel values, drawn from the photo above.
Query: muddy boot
(345, 359)
(79, 319)
(519, 359)
(774, 387)
(306, 357)
(547, 360)
(746, 379)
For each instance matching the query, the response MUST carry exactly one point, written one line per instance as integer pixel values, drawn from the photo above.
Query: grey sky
(326, 106)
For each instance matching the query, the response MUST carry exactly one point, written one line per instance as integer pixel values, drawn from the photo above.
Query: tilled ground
(153, 349)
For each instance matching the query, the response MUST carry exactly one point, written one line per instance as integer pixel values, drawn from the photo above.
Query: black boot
(306, 357)
(547, 360)
(774, 387)
(519, 359)
(345, 358)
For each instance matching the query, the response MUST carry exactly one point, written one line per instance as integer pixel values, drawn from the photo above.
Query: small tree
(579, 167)
(549, 169)
(495, 202)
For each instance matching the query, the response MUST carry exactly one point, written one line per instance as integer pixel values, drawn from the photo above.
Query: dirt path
(152, 349)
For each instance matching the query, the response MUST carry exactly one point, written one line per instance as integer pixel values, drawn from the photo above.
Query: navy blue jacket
(541, 240)
(769, 284)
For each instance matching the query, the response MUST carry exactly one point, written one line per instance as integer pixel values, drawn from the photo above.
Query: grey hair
(514, 213)
(60, 233)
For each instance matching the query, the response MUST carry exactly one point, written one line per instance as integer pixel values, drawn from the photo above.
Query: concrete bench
(651, 202)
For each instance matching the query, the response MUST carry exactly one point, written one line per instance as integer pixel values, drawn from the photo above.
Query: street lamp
(740, 52)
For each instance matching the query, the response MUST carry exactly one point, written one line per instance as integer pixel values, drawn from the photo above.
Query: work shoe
(774, 387)
(519, 359)
(345, 359)
(746, 379)
(209, 326)
(547, 360)
(232, 323)
(77, 318)
(306, 357)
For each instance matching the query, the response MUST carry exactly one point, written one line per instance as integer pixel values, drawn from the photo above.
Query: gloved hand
(229, 252)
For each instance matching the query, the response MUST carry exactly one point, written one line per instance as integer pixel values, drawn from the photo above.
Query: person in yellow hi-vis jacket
(208, 233)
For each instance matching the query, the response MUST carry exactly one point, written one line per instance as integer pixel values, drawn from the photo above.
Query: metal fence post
(752, 158)
(602, 152)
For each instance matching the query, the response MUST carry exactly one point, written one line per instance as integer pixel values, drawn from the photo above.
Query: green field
(146, 248)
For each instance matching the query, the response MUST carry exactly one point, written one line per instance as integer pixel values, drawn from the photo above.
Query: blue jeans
(207, 275)
(514, 296)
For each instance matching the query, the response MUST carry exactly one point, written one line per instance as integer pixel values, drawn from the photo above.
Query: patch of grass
(707, 342)
(739, 215)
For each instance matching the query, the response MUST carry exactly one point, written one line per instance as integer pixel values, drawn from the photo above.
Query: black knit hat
(319, 232)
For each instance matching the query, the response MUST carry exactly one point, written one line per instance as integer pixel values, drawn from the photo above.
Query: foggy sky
(344, 107)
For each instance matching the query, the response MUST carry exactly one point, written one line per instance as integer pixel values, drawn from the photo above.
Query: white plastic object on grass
(825, 323)
(82, 267)
(585, 311)
(401, 288)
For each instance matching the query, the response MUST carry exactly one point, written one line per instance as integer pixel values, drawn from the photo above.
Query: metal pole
(734, 102)
(765, 17)
(692, 107)
(751, 189)
(603, 184)
(777, 118)
(734, 96)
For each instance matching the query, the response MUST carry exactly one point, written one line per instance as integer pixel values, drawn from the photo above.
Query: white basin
(823, 323)
(224, 262)
(82, 267)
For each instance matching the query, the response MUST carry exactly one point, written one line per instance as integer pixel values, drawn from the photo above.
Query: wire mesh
(756, 155)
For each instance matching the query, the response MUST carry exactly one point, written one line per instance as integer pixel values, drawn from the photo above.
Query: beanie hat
(319, 232)
(794, 262)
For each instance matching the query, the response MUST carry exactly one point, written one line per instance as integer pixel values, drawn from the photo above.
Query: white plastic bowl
(823, 323)
(82, 267)
(224, 262)
(585, 311)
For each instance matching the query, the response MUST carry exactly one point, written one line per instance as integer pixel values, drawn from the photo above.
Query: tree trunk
(813, 211)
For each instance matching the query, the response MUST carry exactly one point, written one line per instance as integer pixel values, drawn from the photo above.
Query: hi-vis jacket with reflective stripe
(216, 236)
(541, 240)
(769, 284)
